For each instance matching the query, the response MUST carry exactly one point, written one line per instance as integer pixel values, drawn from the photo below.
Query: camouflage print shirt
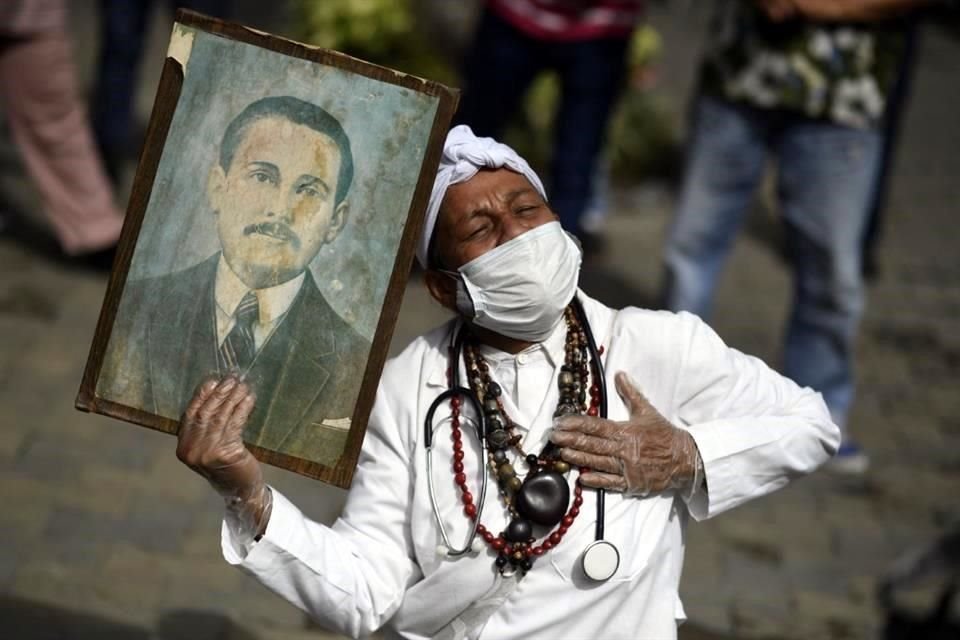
(838, 72)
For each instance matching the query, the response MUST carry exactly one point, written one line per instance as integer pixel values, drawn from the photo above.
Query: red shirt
(571, 19)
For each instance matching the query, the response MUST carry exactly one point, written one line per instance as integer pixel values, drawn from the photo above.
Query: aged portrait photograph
(267, 247)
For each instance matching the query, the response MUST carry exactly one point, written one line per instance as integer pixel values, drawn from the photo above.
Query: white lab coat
(378, 564)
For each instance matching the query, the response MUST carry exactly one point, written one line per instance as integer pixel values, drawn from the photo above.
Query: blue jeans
(827, 175)
(501, 66)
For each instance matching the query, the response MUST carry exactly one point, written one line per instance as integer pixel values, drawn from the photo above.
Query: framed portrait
(270, 232)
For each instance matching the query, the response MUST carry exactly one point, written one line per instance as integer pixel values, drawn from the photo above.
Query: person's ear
(216, 185)
(442, 288)
(337, 222)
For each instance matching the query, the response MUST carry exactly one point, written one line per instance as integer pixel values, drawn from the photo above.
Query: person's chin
(265, 251)
(267, 276)
(258, 274)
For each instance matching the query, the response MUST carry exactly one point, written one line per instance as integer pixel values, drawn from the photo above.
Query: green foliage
(645, 46)
(379, 31)
(642, 138)
(530, 131)
(373, 27)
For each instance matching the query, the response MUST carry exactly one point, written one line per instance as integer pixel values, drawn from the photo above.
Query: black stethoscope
(600, 559)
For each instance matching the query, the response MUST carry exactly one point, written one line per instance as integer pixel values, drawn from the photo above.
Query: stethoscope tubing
(455, 390)
(602, 385)
(428, 442)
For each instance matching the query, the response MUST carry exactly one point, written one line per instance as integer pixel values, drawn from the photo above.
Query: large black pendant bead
(493, 389)
(491, 406)
(519, 530)
(543, 498)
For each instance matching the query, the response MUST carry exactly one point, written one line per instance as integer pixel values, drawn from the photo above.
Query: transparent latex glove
(210, 441)
(639, 456)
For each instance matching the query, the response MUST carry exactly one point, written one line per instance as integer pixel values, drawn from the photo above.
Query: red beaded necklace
(541, 498)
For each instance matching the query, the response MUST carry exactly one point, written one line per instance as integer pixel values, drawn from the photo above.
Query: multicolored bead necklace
(543, 496)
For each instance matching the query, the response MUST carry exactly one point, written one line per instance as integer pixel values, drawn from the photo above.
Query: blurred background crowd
(786, 169)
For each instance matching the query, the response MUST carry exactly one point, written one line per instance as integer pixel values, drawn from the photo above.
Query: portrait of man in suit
(279, 190)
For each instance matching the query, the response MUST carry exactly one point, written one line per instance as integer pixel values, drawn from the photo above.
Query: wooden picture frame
(245, 148)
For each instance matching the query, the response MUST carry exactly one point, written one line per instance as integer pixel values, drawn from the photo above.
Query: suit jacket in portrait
(306, 375)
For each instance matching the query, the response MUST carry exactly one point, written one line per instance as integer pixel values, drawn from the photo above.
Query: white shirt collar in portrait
(274, 302)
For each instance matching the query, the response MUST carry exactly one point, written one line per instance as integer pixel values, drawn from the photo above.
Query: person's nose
(280, 205)
(511, 227)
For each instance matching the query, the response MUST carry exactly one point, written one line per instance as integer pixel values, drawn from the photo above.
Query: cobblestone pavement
(107, 536)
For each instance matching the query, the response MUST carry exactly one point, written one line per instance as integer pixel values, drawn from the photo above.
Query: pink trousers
(48, 121)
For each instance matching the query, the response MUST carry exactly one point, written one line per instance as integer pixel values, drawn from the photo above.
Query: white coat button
(522, 358)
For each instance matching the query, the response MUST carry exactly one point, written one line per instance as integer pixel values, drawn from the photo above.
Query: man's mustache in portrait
(277, 230)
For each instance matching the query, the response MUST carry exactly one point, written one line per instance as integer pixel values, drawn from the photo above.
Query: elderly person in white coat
(695, 429)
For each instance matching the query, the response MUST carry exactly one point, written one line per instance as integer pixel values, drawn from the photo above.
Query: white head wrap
(464, 154)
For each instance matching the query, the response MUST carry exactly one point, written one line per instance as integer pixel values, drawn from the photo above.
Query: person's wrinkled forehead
(490, 190)
(464, 154)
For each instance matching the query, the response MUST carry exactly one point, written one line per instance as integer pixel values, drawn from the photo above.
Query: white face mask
(521, 288)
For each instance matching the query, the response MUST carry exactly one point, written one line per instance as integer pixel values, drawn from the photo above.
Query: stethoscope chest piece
(600, 560)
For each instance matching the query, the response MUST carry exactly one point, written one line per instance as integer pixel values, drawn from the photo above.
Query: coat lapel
(181, 342)
(293, 367)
